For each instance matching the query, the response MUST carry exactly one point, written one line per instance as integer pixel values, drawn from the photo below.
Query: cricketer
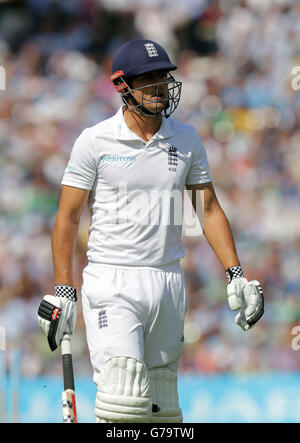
(133, 295)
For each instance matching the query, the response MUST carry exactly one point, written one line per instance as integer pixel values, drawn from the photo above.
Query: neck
(142, 125)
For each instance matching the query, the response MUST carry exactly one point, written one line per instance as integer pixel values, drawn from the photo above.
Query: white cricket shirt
(136, 188)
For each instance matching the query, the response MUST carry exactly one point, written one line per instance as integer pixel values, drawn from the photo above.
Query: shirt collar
(124, 133)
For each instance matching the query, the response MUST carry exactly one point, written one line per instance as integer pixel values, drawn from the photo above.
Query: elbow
(213, 211)
(67, 218)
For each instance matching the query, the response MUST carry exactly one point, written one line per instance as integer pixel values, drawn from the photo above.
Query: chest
(159, 165)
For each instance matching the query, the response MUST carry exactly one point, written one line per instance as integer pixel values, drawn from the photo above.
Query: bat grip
(67, 363)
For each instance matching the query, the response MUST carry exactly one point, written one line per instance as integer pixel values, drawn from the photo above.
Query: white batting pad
(124, 392)
(165, 396)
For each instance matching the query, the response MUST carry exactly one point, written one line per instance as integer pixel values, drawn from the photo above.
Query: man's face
(155, 96)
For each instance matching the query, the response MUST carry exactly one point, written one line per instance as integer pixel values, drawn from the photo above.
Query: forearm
(63, 249)
(219, 235)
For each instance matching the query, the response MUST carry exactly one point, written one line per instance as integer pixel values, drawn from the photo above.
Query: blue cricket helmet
(140, 56)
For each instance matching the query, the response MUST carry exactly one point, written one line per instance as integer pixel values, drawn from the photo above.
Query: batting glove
(57, 314)
(247, 297)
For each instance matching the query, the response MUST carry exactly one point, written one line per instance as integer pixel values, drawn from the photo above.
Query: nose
(158, 90)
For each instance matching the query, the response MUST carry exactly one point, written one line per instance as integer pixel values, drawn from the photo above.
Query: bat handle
(67, 363)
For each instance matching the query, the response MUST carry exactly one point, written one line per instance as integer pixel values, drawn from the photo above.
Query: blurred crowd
(235, 60)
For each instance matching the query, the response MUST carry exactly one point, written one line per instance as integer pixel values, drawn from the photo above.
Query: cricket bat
(68, 395)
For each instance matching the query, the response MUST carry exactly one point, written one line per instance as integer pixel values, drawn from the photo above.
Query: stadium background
(235, 60)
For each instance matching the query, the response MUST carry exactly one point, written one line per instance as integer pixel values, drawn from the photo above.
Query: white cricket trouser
(134, 311)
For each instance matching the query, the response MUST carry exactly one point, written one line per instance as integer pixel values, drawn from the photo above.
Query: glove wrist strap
(234, 272)
(65, 291)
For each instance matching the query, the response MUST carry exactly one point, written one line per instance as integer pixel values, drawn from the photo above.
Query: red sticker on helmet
(117, 74)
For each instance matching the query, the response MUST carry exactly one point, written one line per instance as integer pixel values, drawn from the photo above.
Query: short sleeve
(199, 169)
(81, 168)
